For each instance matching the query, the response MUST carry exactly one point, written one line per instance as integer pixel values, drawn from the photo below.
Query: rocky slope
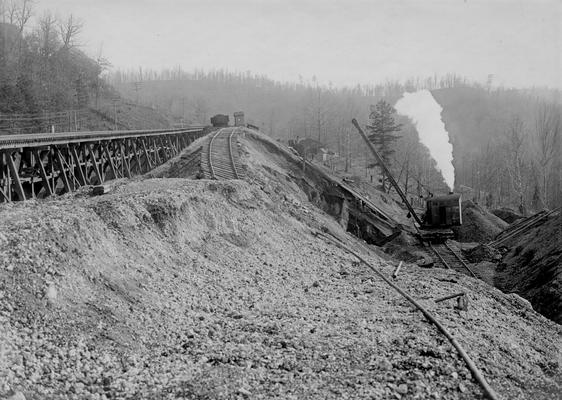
(172, 287)
(479, 225)
(532, 267)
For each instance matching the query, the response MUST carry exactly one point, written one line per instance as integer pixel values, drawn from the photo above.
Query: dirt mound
(482, 252)
(478, 224)
(532, 267)
(507, 214)
(175, 288)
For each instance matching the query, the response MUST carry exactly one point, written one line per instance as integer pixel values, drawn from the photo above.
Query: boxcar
(220, 120)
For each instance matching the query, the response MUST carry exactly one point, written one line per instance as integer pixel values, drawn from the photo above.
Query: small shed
(239, 118)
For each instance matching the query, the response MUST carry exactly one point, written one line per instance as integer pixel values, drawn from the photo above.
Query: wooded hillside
(48, 83)
(506, 142)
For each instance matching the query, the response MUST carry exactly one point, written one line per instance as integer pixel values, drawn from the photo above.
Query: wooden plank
(146, 154)
(4, 177)
(63, 171)
(15, 177)
(130, 157)
(52, 164)
(101, 189)
(156, 152)
(43, 173)
(124, 160)
(69, 162)
(117, 157)
(103, 164)
(165, 148)
(110, 159)
(173, 146)
(81, 175)
(4, 195)
(136, 157)
(95, 163)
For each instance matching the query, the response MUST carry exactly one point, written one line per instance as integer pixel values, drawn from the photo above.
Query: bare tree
(23, 14)
(17, 13)
(103, 64)
(10, 12)
(69, 30)
(547, 131)
(514, 141)
(47, 35)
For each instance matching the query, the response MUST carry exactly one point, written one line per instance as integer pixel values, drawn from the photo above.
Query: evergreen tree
(383, 128)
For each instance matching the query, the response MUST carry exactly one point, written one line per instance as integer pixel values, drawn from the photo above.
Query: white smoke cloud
(425, 113)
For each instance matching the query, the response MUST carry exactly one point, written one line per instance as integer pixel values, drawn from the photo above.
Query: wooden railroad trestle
(41, 165)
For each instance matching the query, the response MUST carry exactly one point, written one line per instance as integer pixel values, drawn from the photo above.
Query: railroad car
(219, 120)
(443, 211)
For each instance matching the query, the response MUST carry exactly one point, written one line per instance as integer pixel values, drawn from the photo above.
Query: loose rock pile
(168, 288)
(532, 266)
(479, 225)
(483, 252)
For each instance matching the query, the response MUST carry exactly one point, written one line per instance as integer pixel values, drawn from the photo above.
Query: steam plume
(425, 113)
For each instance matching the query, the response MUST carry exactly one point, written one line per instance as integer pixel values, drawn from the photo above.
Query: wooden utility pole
(137, 87)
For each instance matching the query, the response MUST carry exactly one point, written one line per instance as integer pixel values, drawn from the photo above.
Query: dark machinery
(442, 212)
(219, 120)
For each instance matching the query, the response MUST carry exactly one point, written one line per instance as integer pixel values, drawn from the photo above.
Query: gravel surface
(174, 288)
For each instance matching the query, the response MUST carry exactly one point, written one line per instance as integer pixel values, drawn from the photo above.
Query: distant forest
(506, 141)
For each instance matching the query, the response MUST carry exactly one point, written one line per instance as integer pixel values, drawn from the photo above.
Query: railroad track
(521, 226)
(220, 159)
(450, 257)
(65, 138)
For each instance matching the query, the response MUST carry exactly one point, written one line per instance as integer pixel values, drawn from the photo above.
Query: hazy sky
(342, 41)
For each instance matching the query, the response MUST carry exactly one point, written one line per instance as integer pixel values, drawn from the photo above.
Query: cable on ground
(488, 391)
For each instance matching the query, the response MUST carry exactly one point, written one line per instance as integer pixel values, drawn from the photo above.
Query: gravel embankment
(170, 288)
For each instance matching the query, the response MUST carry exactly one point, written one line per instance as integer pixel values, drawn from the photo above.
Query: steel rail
(439, 256)
(211, 152)
(488, 391)
(38, 139)
(232, 154)
(521, 223)
(527, 225)
(460, 259)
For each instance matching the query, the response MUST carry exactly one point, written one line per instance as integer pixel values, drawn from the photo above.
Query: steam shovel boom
(387, 172)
